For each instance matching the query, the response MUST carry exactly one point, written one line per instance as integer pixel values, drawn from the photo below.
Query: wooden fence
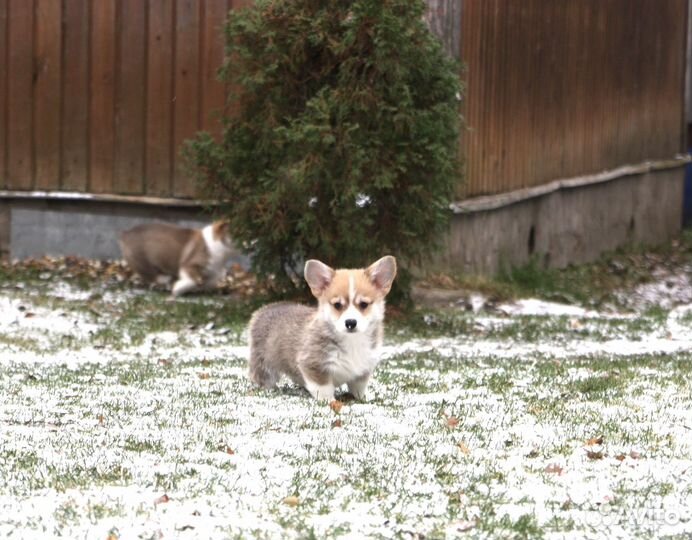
(562, 88)
(96, 96)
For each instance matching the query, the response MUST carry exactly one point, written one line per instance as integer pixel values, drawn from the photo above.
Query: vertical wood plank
(187, 91)
(102, 96)
(75, 95)
(131, 98)
(3, 92)
(48, 91)
(160, 104)
(20, 95)
(213, 90)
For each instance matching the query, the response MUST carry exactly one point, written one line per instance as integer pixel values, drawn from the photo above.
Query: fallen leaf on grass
(554, 468)
(620, 457)
(162, 499)
(336, 423)
(464, 449)
(594, 455)
(593, 441)
(203, 376)
(463, 525)
(452, 421)
(291, 500)
(336, 405)
(228, 450)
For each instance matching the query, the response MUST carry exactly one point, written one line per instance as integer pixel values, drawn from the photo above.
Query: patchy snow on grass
(667, 289)
(544, 420)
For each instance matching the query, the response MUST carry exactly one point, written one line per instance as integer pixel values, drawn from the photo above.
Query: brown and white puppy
(336, 343)
(195, 258)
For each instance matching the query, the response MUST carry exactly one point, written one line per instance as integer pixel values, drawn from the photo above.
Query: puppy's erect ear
(221, 229)
(382, 273)
(318, 275)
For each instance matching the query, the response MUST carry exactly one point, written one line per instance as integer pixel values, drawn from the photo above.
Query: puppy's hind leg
(258, 371)
(185, 283)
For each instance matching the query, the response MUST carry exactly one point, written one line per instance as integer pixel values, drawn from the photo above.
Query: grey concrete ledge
(493, 202)
(104, 197)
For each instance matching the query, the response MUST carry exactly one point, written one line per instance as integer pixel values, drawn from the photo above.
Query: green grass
(453, 435)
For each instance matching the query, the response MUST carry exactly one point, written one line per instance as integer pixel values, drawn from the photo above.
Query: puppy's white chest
(354, 358)
(218, 253)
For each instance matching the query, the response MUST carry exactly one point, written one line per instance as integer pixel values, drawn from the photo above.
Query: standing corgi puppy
(322, 348)
(196, 258)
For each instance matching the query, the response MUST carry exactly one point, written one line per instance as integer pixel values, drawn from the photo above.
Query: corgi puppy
(195, 258)
(336, 343)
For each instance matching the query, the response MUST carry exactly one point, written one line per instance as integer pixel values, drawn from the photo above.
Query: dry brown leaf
(464, 525)
(595, 440)
(464, 449)
(336, 405)
(291, 500)
(336, 423)
(228, 450)
(203, 376)
(594, 455)
(162, 499)
(452, 421)
(554, 468)
(101, 419)
(620, 457)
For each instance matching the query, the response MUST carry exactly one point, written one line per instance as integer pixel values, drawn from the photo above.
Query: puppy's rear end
(154, 249)
(276, 334)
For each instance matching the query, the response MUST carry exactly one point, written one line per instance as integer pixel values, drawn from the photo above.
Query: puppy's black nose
(350, 324)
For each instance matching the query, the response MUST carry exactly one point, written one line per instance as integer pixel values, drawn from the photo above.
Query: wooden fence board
(3, 91)
(213, 90)
(20, 95)
(102, 79)
(131, 98)
(187, 87)
(48, 93)
(160, 106)
(75, 96)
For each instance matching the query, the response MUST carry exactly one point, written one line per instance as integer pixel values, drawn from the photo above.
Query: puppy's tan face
(221, 232)
(351, 300)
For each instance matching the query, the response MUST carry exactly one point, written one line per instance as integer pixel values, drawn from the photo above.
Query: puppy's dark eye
(338, 306)
(363, 304)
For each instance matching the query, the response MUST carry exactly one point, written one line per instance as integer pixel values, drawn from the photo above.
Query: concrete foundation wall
(4, 230)
(572, 225)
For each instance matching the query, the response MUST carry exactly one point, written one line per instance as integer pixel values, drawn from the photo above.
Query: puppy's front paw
(358, 387)
(321, 392)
